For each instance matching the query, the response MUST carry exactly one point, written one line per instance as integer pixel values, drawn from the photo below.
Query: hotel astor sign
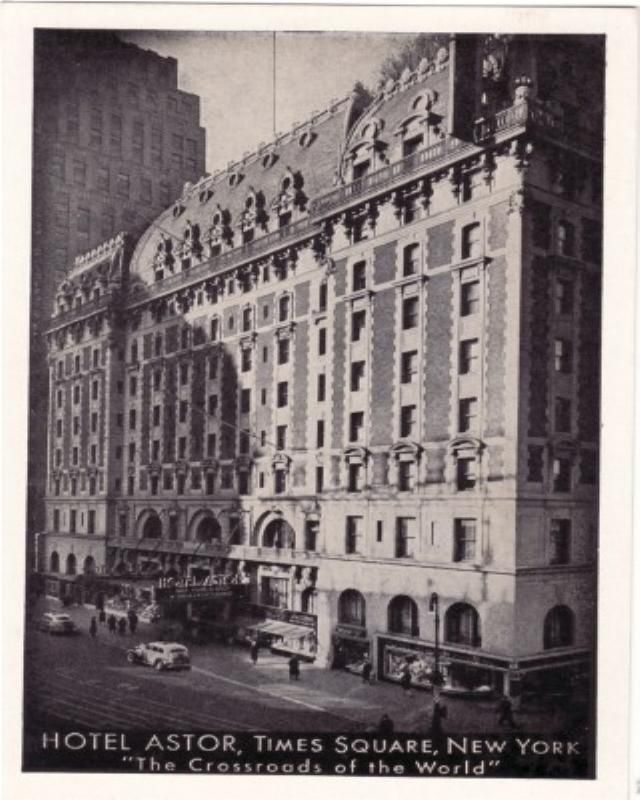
(209, 588)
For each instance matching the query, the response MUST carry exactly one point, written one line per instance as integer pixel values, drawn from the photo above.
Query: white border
(616, 497)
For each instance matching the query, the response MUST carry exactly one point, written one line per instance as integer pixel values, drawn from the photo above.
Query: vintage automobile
(56, 622)
(160, 655)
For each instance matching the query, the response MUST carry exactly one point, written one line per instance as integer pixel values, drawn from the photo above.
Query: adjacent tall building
(114, 142)
(356, 374)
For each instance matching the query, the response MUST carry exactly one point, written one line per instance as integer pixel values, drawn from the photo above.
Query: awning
(284, 630)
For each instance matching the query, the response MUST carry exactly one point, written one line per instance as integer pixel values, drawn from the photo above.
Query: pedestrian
(385, 726)
(133, 622)
(366, 671)
(111, 623)
(102, 616)
(93, 628)
(122, 626)
(405, 677)
(294, 668)
(439, 713)
(255, 648)
(505, 713)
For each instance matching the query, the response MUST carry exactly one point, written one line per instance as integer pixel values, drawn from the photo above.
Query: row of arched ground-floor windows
(71, 564)
(461, 620)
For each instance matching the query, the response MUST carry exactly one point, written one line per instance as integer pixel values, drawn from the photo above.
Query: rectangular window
(91, 521)
(408, 422)
(56, 520)
(471, 241)
(73, 520)
(155, 450)
(359, 276)
(409, 366)
(283, 394)
(156, 415)
(182, 447)
(560, 541)
(281, 437)
(76, 425)
(412, 145)
(361, 169)
(79, 173)
(145, 191)
(406, 471)
(411, 260)
(356, 426)
(561, 475)
(535, 464)
(469, 298)
(355, 478)
(565, 238)
(94, 390)
(243, 483)
(247, 319)
(469, 349)
(409, 313)
(464, 544)
(319, 480)
(209, 483)
(465, 474)
(563, 355)
(358, 323)
(322, 296)
(564, 296)
(405, 537)
(263, 397)
(588, 467)
(322, 387)
(94, 422)
(184, 374)
(411, 209)
(320, 433)
(357, 375)
(562, 415)
(76, 395)
(83, 221)
(132, 419)
(131, 485)
(132, 451)
(211, 445)
(280, 481)
(245, 360)
(245, 401)
(353, 535)
(322, 341)
(283, 351)
(467, 414)
(183, 409)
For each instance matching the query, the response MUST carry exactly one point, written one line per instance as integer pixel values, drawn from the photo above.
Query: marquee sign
(210, 588)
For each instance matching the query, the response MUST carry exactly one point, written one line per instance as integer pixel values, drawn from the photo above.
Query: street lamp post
(436, 677)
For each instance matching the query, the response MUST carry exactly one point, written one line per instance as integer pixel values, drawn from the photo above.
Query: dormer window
(361, 168)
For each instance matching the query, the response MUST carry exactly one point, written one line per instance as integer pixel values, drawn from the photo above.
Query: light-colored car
(160, 655)
(55, 622)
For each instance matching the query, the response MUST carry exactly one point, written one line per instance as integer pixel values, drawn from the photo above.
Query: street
(85, 682)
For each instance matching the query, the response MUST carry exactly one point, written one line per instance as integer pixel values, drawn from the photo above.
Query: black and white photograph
(314, 402)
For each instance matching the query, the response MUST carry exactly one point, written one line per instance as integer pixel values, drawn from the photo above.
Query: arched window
(352, 608)
(208, 530)
(71, 564)
(279, 534)
(89, 567)
(152, 528)
(558, 627)
(54, 562)
(462, 625)
(403, 616)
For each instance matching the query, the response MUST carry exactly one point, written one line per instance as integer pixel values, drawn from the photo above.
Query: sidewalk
(360, 704)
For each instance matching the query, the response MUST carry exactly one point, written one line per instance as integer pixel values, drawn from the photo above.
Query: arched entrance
(152, 528)
(54, 562)
(352, 608)
(279, 534)
(71, 564)
(208, 530)
(89, 566)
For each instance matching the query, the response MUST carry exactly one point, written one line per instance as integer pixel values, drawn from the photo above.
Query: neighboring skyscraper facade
(114, 142)
(358, 371)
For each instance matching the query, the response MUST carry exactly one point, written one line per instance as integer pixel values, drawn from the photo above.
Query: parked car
(160, 655)
(55, 622)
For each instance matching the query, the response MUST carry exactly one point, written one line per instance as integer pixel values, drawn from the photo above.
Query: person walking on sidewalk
(102, 616)
(385, 726)
(366, 671)
(294, 668)
(93, 628)
(255, 650)
(122, 626)
(133, 621)
(505, 713)
(111, 623)
(405, 678)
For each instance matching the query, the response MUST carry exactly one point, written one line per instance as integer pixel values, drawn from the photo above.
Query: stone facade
(352, 367)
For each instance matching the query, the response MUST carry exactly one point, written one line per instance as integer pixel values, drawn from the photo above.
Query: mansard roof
(311, 152)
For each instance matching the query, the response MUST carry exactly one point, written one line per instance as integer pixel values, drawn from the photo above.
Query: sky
(232, 72)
